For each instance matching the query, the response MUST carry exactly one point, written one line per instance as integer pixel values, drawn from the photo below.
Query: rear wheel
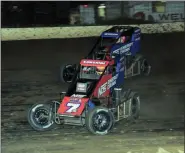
(135, 106)
(145, 67)
(40, 117)
(99, 121)
(67, 72)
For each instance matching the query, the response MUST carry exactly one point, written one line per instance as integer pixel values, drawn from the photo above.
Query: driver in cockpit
(100, 70)
(121, 39)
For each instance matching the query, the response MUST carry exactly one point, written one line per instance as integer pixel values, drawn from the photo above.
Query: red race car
(94, 99)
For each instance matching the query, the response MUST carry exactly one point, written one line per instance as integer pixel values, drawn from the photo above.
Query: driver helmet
(99, 70)
(121, 39)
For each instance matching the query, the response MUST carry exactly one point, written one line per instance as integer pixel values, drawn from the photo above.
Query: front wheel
(99, 121)
(40, 117)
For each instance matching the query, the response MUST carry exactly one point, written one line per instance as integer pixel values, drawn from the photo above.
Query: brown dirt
(30, 75)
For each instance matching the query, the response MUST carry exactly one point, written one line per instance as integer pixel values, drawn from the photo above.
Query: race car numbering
(73, 107)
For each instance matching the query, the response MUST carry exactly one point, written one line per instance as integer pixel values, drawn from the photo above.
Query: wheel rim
(145, 67)
(68, 73)
(40, 117)
(101, 121)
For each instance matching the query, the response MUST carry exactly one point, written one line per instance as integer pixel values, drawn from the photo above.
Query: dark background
(35, 13)
(57, 13)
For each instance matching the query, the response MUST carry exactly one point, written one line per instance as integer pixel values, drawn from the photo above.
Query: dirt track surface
(30, 75)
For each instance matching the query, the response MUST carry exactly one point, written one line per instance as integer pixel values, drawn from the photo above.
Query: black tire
(34, 111)
(145, 67)
(90, 120)
(135, 106)
(64, 76)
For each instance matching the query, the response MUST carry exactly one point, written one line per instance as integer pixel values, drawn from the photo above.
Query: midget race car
(95, 97)
(119, 39)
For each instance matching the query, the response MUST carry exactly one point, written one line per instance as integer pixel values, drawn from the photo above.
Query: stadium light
(85, 6)
(102, 6)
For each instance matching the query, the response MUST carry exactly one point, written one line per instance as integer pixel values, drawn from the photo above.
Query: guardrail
(8, 34)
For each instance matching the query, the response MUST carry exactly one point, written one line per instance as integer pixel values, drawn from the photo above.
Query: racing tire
(145, 68)
(66, 73)
(40, 118)
(99, 121)
(134, 106)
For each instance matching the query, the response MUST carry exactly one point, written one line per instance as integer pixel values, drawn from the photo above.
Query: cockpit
(87, 77)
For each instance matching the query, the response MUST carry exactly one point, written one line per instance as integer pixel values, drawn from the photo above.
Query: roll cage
(99, 48)
(90, 79)
(98, 52)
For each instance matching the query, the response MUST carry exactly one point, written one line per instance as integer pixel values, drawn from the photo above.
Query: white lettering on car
(94, 62)
(110, 34)
(102, 89)
(107, 85)
(123, 49)
(78, 96)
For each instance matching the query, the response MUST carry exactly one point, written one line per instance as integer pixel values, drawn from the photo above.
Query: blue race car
(118, 40)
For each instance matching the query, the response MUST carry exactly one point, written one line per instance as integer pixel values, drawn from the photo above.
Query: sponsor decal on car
(94, 62)
(138, 30)
(77, 96)
(122, 64)
(107, 85)
(137, 39)
(123, 49)
(110, 34)
(81, 87)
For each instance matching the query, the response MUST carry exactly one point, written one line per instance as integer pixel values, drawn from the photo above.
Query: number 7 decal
(73, 106)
